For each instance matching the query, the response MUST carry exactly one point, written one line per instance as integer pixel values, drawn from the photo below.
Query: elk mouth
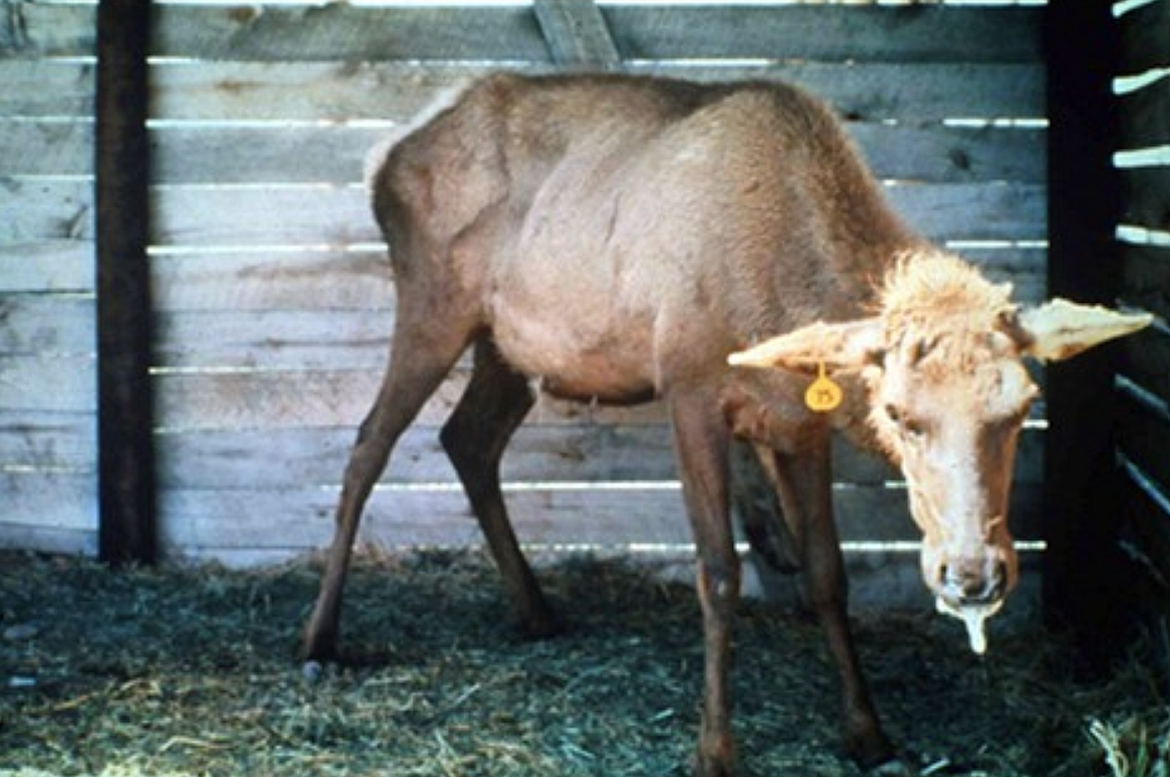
(974, 616)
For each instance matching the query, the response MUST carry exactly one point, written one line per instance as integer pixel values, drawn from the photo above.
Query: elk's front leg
(702, 442)
(805, 482)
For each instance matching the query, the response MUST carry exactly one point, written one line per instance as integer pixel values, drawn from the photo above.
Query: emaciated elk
(617, 239)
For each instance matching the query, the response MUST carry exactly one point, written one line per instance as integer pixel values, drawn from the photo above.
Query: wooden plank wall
(1144, 386)
(273, 294)
(48, 459)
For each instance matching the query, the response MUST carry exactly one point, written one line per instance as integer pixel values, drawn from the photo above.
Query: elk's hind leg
(421, 358)
(493, 405)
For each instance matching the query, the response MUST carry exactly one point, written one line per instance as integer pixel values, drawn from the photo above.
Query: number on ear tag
(823, 395)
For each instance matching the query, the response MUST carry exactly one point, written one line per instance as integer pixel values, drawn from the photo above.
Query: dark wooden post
(1082, 580)
(125, 406)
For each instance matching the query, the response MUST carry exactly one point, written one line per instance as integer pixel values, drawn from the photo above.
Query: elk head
(948, 392)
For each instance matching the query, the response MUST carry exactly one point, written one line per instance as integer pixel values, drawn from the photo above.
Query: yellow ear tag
(823, 395)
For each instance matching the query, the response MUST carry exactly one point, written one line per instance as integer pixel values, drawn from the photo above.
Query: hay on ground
(193, 672)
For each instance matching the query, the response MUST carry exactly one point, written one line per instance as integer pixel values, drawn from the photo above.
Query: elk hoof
(872, 751)
(311, 671)
(894, 767)
(319, 644)
(715, 756)
(536, 629)
(712, 768)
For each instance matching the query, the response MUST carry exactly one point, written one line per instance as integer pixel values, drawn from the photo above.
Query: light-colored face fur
(943, 366)
(948, 396)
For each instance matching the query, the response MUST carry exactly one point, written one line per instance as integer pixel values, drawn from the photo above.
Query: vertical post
(577, 35)
(1083, 581)
(126, 530)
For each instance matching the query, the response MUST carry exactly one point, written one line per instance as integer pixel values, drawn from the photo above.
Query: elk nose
(973, 582)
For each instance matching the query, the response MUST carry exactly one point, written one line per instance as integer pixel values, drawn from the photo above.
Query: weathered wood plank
(343, 32)
(1145, 35)
(45, 324)
(273, 216)
(283, 336)
(1145, 115)
(1018, 260)
(1147, 354)
(255, 401)
(919, 33)
(303, 91)
(49, 539)
(1146, 197)
(273, 399)
(281, 339)
(34, 383)
(294, 519)
(1149, 533)
(227, 155)
(303, 457)
(46, 88)
(909, 91)
(47, 266)
(305, 280)
(1145, 439)
(47, 442)
(389, 91)
(338, 216)
(939, 154)
(46, 148)
(1149, 523)
(36, 210)
(195, 154)
(362, 280)
(581, 453)
(47, 30)
(49, 500)
(1146, 278)
(1000, 211)
(267, 399)
(303, 519)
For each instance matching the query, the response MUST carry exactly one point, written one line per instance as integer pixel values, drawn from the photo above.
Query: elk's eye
(913, 428)
(907, 425)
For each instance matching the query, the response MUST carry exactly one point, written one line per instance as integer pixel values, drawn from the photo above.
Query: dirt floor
(193, 672)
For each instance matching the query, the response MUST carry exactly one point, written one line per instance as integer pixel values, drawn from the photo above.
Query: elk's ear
(849, 345)
(1061, 329)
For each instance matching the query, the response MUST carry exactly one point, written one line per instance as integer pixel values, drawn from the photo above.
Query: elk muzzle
(973, 580)
(972, 585)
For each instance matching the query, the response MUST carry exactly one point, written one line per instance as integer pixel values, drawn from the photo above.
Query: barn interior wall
(1143, 236)
(273, 301)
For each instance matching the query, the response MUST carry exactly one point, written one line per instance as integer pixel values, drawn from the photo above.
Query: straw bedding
(193, 671)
